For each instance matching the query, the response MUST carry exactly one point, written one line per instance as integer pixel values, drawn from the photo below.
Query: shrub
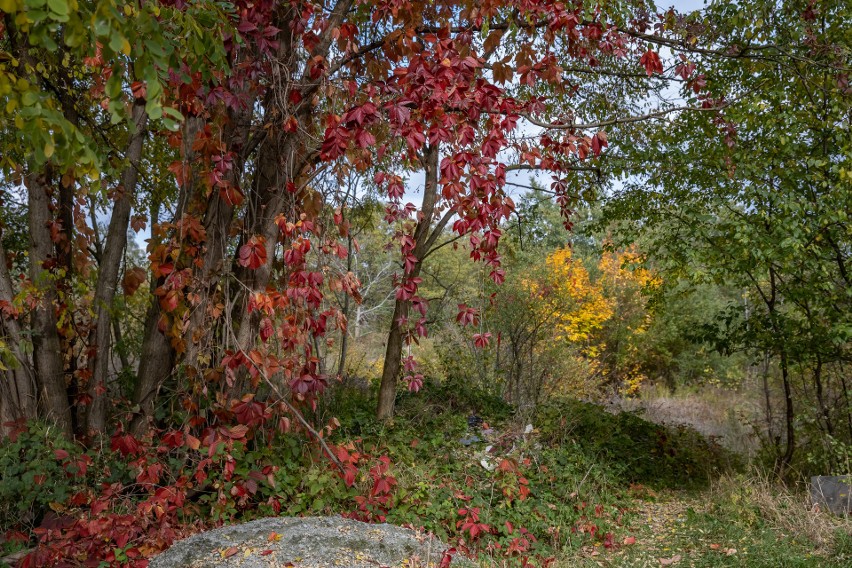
(636, 450)
(33, 477)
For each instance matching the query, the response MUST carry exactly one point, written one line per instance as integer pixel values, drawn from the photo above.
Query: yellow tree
(573, 333)
(624, 281)
(568, 293)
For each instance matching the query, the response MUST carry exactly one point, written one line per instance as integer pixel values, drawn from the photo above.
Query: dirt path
(673, 529)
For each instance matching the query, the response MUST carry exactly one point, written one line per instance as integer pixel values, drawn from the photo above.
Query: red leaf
(231, 195)
(192, 442)
(125, 444)
(599, 142)
(238, 431)
(169, 301)
(139, 90)
(652, 63)
(266, 329)
(253, 253)
(481, 340)
(138, 222)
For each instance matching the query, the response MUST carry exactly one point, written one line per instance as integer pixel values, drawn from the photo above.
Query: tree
(759, 201)
(463, 160)
(75, 114)
(227, 129)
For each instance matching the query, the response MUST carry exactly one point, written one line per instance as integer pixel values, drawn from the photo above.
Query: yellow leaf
(9, 6)
(125, 46)
(49, 149)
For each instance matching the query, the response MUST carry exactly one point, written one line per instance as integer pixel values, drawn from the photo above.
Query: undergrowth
(455, 462)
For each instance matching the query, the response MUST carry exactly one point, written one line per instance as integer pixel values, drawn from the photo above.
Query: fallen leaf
(669, 561)
(630, 540)
(266, 552)
(714, 546)
(731, 551)
(228, 552)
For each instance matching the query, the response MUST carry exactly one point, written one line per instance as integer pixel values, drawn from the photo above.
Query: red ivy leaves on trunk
(253, 253)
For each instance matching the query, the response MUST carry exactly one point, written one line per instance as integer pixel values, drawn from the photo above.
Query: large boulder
(311, 542)
(833, 493)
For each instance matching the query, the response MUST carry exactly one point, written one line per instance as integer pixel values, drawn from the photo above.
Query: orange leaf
(133, 278)
(192, 442)
(228, 552)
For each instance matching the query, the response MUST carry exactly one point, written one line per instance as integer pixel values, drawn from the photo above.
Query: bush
(636, 450)
(32, 478)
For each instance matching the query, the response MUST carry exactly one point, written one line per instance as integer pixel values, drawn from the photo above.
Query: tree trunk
(392, 364)
(218, 219)
(823, 408)
(344, 336)
(155, 364)
(283, 157)
(787, 458)
(117, 340)
(424, 238)
(108, 269)
(158, 357)
(767, 396)
(281, 161)
(47, 355)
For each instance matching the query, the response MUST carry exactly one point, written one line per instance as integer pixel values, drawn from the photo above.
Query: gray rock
(833, 493)
(311, 542)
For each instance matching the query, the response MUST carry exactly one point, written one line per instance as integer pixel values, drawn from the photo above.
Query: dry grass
(758, 498)
(715, 413)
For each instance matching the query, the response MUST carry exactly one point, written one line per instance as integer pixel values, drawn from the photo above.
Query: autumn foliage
(220, 135)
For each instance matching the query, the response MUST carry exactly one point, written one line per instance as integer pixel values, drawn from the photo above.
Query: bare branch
(618, 120)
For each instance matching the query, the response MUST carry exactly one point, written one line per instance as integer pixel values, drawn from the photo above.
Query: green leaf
(59, 7)
(117, 41)
(154, 110)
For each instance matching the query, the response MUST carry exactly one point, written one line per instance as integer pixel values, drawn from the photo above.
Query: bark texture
(47, 355)
(17, 387)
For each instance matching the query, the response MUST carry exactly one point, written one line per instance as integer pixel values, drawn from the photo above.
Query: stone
(310, 542)
(833, 493)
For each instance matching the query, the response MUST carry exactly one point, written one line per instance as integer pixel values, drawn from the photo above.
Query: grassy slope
(596, 482)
